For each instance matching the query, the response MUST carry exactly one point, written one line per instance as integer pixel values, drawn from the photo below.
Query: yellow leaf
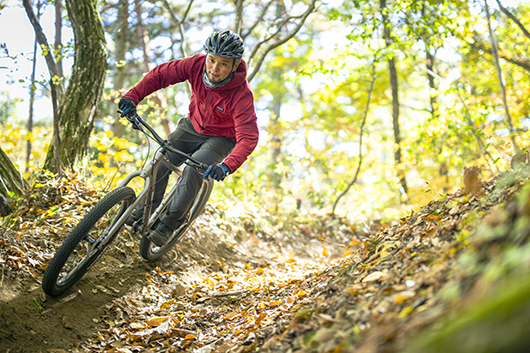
(434, 219)
(401, 297)
(301, 293)
(354, 242)
(261, 317)
(325, 251)
(137, 325)
(156, 321)
(189, 337)
(347, 253)
(405, 311)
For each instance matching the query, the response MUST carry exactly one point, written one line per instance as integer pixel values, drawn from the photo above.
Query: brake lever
(200, 167)
(134, 122)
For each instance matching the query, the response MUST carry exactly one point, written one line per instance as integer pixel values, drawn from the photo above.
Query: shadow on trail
(31, 321)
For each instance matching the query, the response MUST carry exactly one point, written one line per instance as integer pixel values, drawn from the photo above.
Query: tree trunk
(395, 100)
(276, 130)
(500, 77)
(78, 107)
(122, 31)
(432, 85)
(56, 138)
(276, 108)
(143, 39)
(430, 58)
(10, 178)
(5, 210)
(29, 125)
(58, 45)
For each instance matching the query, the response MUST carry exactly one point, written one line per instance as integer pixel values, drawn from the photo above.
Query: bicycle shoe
(160, 235)
(135, 216)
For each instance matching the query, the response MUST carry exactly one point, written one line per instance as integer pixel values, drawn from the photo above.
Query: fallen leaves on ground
(234, 287)
(391, 285)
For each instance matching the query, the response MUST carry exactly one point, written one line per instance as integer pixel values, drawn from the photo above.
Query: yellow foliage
(123, 156)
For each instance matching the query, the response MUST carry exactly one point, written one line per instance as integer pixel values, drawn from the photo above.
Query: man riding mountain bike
(220, 130)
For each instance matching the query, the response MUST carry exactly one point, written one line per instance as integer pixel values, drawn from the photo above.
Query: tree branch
(367, 106)
(180, 25)
(258, 21)
(279, 42)
(513, 18)
(522, 64)
(500, 77)
(475, 131)
(41, 39)
(239, 16)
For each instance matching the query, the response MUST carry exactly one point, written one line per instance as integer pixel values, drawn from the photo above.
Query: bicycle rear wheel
(86, 242)
(151, 252)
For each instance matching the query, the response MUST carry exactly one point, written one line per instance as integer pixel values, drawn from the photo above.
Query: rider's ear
(236, 64)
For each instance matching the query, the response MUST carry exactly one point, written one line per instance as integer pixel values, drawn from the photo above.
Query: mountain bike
(101, 225)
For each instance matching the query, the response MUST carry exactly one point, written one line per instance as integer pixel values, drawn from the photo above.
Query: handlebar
(137, 121)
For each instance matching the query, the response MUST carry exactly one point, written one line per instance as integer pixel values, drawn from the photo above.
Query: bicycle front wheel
(151, 252)
(86, 242)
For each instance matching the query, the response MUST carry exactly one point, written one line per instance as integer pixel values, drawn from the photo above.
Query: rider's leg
(188, 186)
(213, 151)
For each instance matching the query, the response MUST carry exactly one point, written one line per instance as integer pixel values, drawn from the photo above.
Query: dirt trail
(239, 284)
(30, 321)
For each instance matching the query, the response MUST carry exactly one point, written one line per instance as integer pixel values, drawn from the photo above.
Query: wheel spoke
(86, 242)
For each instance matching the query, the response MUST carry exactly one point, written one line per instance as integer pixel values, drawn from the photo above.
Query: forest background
(366, 109)
(374, 112)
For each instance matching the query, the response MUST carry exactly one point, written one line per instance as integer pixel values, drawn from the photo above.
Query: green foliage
(311, 98)
(8, 107)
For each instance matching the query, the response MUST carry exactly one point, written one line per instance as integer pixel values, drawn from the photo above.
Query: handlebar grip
(134, 121)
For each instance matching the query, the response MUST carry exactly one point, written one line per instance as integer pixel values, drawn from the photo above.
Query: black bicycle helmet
(225, 43)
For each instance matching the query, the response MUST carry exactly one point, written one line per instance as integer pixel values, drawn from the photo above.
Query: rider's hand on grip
(127, 106)
(217, 172)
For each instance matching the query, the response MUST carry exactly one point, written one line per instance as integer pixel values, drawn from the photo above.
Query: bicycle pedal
(89, 239)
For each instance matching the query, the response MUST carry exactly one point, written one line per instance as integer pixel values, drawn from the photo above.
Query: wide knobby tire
(151, 252)
(86, 242)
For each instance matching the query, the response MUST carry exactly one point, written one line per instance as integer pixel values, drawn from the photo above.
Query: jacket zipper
(207, 112)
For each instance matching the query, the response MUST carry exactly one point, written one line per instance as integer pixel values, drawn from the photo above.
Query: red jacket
(226, 111)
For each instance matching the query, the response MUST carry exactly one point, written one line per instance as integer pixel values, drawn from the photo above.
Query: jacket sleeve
(247, 132)
(160, 77)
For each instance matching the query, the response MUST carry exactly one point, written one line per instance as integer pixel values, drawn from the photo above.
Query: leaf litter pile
(242, 283)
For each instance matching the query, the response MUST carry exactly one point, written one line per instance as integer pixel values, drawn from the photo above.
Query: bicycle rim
(86, 242)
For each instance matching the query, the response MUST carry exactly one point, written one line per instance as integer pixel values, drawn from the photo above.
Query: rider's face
(219, 67)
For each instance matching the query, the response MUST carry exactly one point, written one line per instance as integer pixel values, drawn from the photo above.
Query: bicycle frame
(99, 227)
(148, 173)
